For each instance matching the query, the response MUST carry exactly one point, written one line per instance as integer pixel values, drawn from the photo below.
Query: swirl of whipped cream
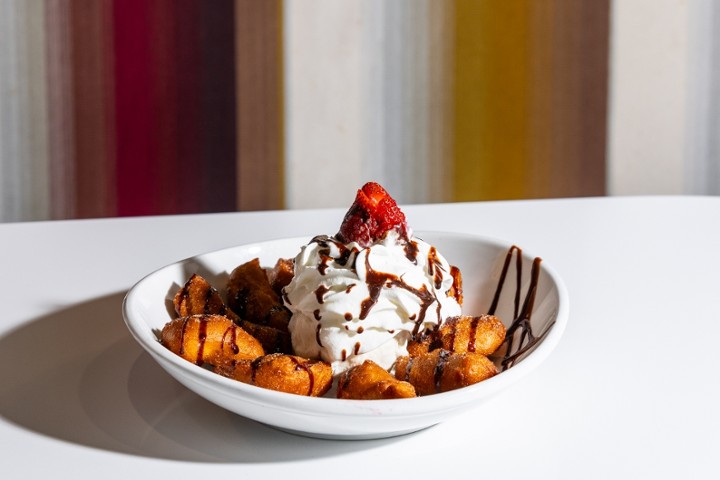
(350, 303)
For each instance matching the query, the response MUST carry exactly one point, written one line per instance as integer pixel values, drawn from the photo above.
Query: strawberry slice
(371, 216)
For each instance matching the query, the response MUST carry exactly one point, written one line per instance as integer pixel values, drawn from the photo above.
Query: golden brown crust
(198, 297)
(441, 371)
(212, 339)
(252, 298)
(420, 345)
(281, 274)
(369, 381)
(283, 373)
(483, 334)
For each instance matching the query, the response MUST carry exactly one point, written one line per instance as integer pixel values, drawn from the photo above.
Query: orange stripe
(491, 99)
(530, 98)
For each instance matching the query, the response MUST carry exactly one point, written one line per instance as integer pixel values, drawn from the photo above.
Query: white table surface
(632, 391)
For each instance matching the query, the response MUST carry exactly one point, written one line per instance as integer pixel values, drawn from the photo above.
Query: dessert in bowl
(499, 281)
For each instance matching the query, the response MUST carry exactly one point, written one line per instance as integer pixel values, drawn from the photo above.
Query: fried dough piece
(441, 371)
(281, 274)
(212, 339)
(369, 381)
(271, 339)
(418, 347)
(421, 343)
(199, 297)
(253, 299)
(283, 373)
(483, 334)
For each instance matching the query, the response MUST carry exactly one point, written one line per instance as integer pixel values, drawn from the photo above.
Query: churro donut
(284, 373)
(199, 297)
(369, 381)
(252, 298)
(441, 371)
(483, 334)
(212, 339)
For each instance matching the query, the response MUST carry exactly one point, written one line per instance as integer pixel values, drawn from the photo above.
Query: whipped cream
(350, 304)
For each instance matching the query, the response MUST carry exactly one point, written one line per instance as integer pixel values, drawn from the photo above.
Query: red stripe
(170, 182)
(135, 117)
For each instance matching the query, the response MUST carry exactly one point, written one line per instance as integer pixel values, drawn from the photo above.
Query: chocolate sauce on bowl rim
(519, 338)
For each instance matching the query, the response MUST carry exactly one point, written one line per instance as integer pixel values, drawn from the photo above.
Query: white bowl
(148, 306)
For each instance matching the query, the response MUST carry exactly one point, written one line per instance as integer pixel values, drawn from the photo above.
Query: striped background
(138, 107)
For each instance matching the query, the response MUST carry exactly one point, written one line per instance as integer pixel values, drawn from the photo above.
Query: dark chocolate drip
(317, 335)
(356, 350)
(443, 356)
(202, 336)
(501, 280)
(411, 251)
(453, 323)
(435, 269)
(521, 326)
(439, 317)
(182, 335)
(473, 332)
(348, 316)
(184, 295)
(316, 314)
(232, 341)
(320, 292)
(302, 365)
(377, 280)
(350, 287)
(208, 298)
(324, 260)
(456, 284)
(344, 252)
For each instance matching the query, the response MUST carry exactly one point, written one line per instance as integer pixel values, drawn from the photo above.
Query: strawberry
(371, 216)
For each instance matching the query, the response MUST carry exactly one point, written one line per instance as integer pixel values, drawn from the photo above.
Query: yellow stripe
(491, 99)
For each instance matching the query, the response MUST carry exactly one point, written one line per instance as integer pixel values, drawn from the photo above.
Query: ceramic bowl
(485, 264)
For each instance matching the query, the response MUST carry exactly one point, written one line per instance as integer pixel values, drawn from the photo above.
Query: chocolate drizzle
(377, 280)
(303, 365)
(317, 335)
(442, 360)
(411, 251)
(471, 336)
(521, 328)
(320, 292)
(230, 338)
(325, 242)
(434, 268)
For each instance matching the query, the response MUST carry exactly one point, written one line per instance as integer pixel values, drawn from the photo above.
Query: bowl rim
(324, 406)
